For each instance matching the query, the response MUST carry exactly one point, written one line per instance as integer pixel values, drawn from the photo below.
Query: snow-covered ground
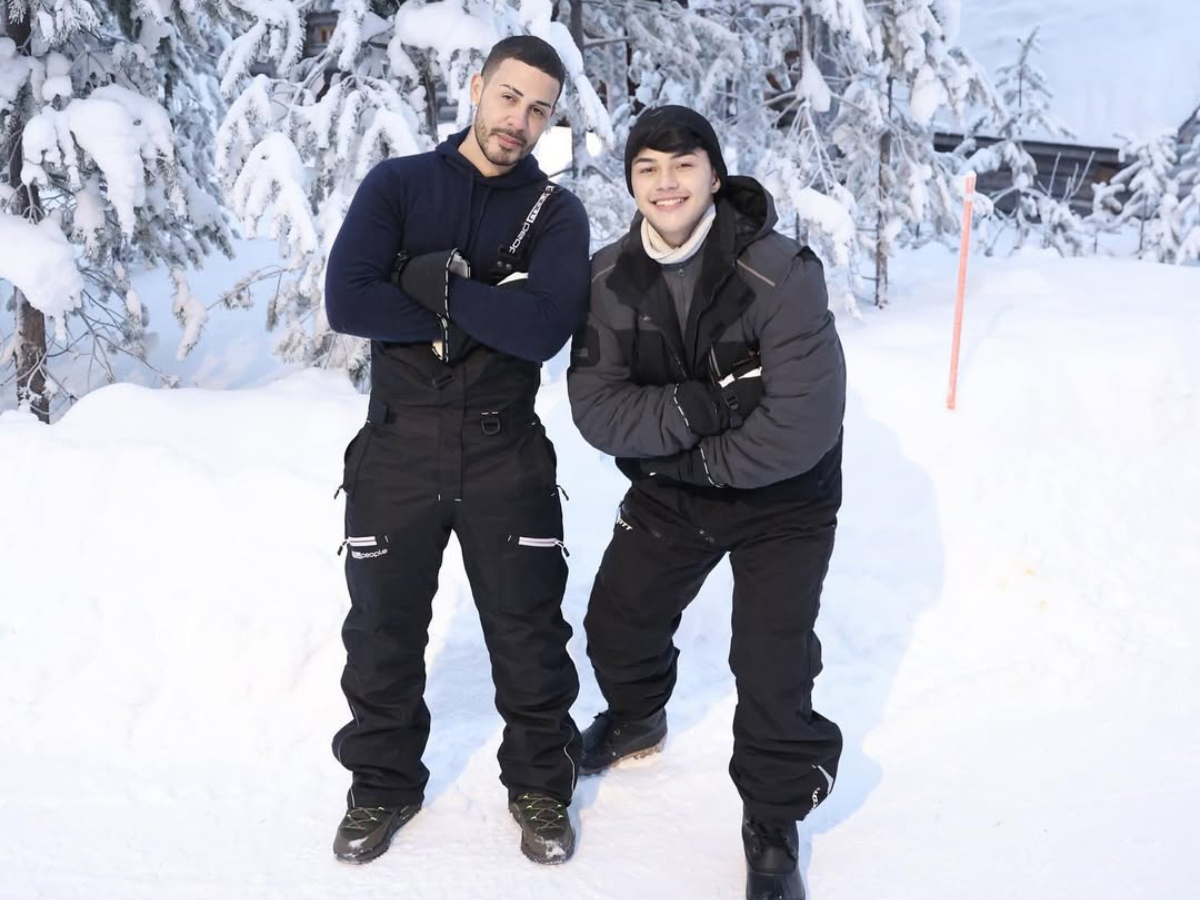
(1010, 627)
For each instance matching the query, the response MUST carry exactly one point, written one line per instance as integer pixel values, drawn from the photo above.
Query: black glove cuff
(457, 344)
(426, 279)
(699, 408)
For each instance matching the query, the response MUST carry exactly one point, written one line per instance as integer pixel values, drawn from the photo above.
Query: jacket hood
(526, 172)
(754, 205)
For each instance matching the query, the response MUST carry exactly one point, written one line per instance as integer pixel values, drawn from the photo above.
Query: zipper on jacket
(683, 372)
(679, 363)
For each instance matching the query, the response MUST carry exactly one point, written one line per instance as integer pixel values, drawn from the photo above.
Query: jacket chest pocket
(651, 359)
(732, 355)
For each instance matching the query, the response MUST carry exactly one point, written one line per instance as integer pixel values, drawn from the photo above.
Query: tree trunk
(630, 85)
(431, 100)
(881, 248)
(1142, 228)
(30, 354)
(31, 357)
(579, 152)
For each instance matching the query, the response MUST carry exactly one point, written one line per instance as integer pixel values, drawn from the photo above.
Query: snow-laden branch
(273, 182)
(40, 262)
(122, 132)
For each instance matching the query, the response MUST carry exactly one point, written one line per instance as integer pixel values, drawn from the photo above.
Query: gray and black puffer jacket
(758, 292)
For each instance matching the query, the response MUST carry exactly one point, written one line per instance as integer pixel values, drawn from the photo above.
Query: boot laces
(768, 834)
(362, 818)
(541, 812)
(612, 726)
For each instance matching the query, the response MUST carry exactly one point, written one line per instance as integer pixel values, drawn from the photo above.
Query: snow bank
(1009, 631)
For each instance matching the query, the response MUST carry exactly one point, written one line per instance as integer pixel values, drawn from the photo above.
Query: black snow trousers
(413, 476)
(666, 541)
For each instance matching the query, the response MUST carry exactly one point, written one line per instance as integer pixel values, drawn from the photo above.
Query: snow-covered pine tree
(1145, 190)
(1022, 88)
(814, 51)
(1106, 209)
(300, 136)
(1062, 229)
(99, 180)
(917, 70)
(1188, 213)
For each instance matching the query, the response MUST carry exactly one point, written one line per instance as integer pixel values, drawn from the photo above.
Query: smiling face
(513, 106)
(673, 190)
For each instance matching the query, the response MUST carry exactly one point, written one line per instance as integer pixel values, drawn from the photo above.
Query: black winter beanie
(654, 121)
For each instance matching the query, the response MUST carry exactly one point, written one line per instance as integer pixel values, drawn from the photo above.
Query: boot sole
(531, 856)
(636, 754)
(365, 858)
(764, 886)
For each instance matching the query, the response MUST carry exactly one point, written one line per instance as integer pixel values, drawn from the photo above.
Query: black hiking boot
(547, 836)
(366, 832)
(608, 740)
(772, 849)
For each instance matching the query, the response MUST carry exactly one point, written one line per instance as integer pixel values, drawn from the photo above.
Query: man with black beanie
(710, 367)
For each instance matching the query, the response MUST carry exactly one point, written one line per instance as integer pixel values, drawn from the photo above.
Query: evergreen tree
(815, 55)
(1026, 99)
(916, 71)
(1186, 219)
(105, 119)
(1145, 191)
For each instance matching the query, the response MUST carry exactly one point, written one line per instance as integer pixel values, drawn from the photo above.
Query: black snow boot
(366, 832)
(547, 836)
(772, 849)
(608, 740)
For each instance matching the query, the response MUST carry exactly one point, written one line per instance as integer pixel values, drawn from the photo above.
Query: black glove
(457, 345)
(712, 409)
(426, 278)
(684, 468)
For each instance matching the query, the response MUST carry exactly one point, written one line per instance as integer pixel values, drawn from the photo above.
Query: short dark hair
(532, 51)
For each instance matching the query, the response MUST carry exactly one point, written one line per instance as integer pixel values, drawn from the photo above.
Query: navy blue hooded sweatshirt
(439, 201)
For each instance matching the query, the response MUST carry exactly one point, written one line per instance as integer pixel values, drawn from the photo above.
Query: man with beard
(710, 367)
(467, 269)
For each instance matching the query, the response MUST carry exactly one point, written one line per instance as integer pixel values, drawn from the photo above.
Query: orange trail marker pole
(964, 245)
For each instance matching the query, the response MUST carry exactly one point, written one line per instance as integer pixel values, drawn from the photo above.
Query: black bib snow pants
(473, 461)
(779, 539)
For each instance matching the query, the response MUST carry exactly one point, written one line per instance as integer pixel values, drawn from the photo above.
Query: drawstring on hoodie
(466, 237)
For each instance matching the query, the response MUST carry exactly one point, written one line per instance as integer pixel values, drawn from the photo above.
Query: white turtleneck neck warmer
(663, 253)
